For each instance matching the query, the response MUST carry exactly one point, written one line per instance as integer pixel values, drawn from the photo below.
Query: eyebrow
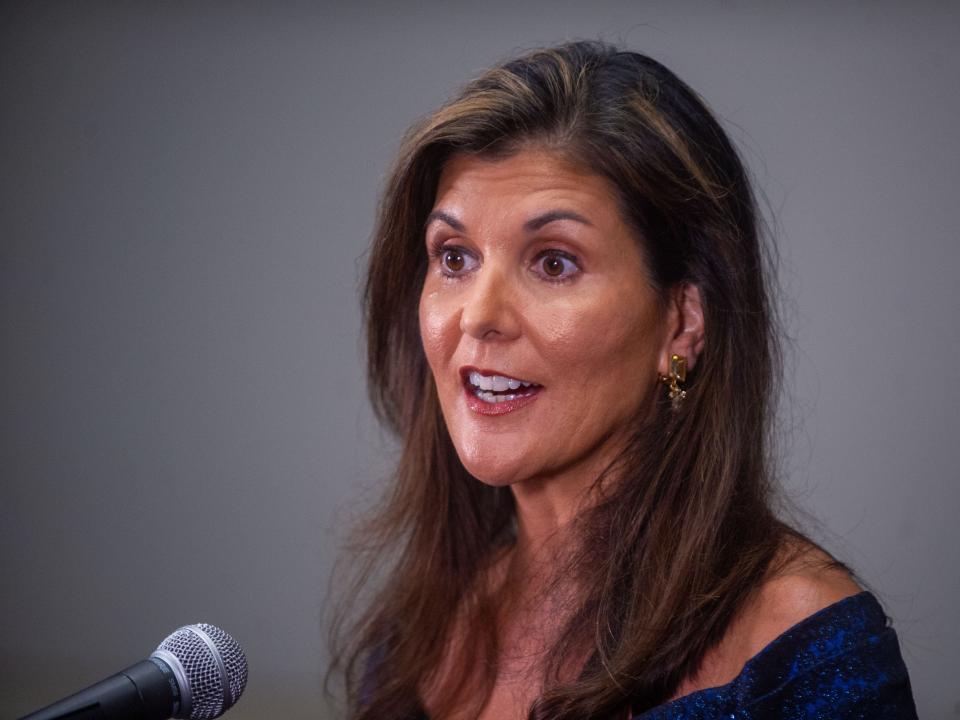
(531, 225)
(447, 218)
(539, 221)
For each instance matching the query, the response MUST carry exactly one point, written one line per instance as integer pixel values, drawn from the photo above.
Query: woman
(571, 333)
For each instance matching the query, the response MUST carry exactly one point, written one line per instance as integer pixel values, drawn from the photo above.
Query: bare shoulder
(804, 581)
(808, 582)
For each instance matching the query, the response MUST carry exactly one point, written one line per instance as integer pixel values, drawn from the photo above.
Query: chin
(491, 471)
(497, 459)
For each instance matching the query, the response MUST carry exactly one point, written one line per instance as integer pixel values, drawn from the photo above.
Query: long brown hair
(687, 534)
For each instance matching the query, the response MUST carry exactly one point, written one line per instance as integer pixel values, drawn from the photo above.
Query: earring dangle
(678, 374)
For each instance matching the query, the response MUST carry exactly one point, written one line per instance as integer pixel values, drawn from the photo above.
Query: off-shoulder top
(840, 663)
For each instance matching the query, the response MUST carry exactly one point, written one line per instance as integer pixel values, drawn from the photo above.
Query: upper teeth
(497, 383)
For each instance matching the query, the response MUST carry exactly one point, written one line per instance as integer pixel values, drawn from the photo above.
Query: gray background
(186, 194)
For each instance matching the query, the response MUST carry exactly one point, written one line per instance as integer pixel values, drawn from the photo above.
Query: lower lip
(481, 407)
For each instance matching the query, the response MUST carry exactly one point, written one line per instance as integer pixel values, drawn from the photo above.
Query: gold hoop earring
(678, 374)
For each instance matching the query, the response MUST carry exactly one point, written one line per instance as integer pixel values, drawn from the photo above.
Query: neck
(547, 505)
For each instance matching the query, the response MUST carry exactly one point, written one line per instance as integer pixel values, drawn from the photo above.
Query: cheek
(436, 321)
(614, 339)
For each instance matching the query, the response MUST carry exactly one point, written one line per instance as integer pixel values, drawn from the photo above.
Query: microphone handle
(141, 692)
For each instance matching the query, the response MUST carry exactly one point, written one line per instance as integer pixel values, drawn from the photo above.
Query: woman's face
(537, 319)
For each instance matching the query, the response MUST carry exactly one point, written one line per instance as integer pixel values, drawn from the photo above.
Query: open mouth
(495, 389)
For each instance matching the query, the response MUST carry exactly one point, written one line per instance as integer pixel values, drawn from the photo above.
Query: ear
(685, 330)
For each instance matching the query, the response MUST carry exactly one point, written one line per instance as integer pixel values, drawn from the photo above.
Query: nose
(490, 307)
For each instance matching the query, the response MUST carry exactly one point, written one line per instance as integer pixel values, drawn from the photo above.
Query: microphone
(197, 673)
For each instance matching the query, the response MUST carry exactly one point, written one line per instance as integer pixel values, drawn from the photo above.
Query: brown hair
(676, 547)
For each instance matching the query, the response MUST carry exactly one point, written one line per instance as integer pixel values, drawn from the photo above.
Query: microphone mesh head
(233, 659)
(210, 697)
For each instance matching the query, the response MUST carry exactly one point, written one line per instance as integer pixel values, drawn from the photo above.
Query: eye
(556, 266)
(454, 261)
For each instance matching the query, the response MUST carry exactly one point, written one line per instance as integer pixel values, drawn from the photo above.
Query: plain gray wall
(186, 193)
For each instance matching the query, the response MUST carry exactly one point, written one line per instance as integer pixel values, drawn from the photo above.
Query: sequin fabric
(842, 663)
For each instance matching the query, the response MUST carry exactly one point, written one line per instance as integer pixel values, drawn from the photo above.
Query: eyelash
(437, 250)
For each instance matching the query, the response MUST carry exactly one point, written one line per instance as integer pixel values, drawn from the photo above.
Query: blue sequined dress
(841, 663)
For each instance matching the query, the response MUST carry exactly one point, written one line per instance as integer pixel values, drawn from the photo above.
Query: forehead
(525, 180)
